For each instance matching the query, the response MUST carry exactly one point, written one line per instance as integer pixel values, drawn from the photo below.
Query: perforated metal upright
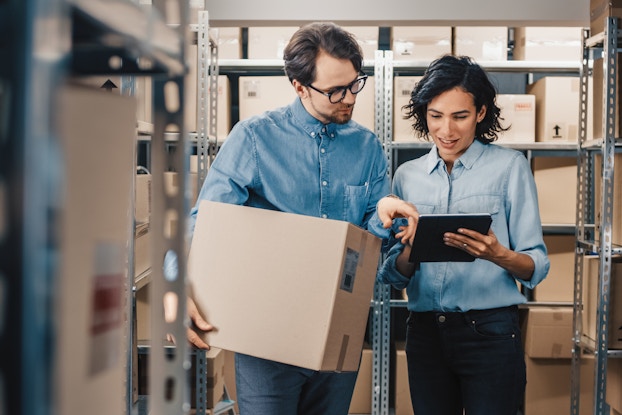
(592, 238)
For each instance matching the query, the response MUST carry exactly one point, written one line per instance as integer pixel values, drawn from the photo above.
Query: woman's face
(452, 118)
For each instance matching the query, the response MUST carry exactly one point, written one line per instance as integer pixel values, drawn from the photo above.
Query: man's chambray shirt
(486, 178)
(287, 160)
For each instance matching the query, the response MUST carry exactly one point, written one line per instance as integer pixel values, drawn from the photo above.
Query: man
(307, 158)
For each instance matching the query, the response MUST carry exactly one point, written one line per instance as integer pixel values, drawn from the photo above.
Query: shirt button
(323, 130)
(313, 134)
(441, 318)
(322, 150)
(332, 136)
(324, 215)
(324, 183)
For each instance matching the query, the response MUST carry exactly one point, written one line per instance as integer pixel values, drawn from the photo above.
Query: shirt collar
(467, 159)
(309, 123)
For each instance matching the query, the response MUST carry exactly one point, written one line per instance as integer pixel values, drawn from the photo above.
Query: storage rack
(46, 42)
(593, 237)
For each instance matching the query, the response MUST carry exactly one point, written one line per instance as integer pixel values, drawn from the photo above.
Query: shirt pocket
(480, 204)
(355, 203)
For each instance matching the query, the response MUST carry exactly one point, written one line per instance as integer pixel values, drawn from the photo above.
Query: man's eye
(336, 90)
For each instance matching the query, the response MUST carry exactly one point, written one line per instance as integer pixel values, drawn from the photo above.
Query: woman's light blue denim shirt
(486, 178)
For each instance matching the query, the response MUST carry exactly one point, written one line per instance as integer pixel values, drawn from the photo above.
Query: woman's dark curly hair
(449, 72)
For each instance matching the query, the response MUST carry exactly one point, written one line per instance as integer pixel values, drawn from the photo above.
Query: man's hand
(197, 325)
(392, 207)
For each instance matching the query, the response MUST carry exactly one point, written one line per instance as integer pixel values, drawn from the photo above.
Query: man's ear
(301, 90)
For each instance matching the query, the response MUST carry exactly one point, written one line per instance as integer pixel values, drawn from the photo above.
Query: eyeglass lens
(355, 87)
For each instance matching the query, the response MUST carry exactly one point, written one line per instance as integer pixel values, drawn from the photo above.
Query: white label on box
(349, 270)
(251, 89)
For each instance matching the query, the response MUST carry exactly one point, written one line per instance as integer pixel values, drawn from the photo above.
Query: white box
(402, 88)
(420, 43)
(306, 298)
(557, 108)
(519, 113)
(269, 42)
(367, 37)
(548, 44)
(264, 93)
(481, 43)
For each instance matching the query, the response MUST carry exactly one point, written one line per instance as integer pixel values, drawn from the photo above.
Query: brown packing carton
(558, 286)
(546, 43)
(402, 88)
(616, 202)
(481, 43)
(215, 378)
(413, 43)
(97, 133)
(591, 282)
(142, 249)
(549, 384)
(600, 10)
(294, 289)
(361, 398)
(556, 183)
(548, 332)
(597, 102)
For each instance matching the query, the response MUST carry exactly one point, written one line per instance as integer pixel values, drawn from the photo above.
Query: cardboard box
(548, 44)
(97, 134)
(416, 43)
(214, 378)
(556, 182)
(557, 108)
(229, 41)
(598, 100)
(264, 93)
(143, 314)
(367, 37)
(548, 332)
(591, 281)
(402, 88)
(361, 398)
(558, 286)
(142, 249)
(364, 111)
(519, 113)
(481, 43)
(614, 385)
(332, 262)
(403, 404)
(616, 219)
(269, 42)
(549, 384)
(142, 198)
(600, 10)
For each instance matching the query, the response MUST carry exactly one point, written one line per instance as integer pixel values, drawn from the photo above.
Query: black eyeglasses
(336, 95)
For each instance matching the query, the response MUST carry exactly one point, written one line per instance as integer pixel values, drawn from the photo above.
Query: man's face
(331, 73)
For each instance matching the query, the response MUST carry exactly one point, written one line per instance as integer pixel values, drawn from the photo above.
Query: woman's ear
(481, 114)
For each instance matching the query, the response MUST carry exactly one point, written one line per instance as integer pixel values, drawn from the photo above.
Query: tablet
(428, 245)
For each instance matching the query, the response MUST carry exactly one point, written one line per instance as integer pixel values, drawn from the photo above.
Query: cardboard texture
(142, 198)
(519, 113)
(616, 203)
(367, 38)
(597, 102)
(263, 93)
(305, 284)
(549, 383)
(600, 10)
(556, 183)
(97, 133)
(481, 43)
(412, 43)
(557, 108)
(591, 282)
(361, 398)
(402, 88)
(558, 286)
(548, 332)
(215, 378)
(548, 44)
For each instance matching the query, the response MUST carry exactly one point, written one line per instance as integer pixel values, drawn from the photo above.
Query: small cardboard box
(481, 43)
(264, 93)
(305, 284)
(402, 89)
(548, 44)
(600, 10)
(591, 282)
(557, 108)
(558, 286)
(403, 405)
(519, 113)
(269, 42)
(361, 397)
(420, 43)
(556, 182)
(548, 332)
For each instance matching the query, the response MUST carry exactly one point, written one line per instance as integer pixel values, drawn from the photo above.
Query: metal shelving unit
(590, 237)
(50, 42)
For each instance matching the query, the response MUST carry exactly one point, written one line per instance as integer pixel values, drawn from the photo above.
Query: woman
(463, 341)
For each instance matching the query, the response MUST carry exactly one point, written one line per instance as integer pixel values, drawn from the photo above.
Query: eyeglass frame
(344, 89)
